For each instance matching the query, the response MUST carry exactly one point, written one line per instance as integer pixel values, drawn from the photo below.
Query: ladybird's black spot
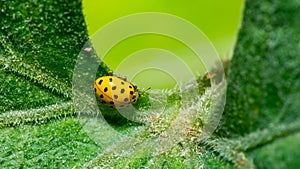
(131, 92)
(101, 96)
(130, 87)
(134, 101)
(110, 79)
(111, 102)
(116, 96)
(95, 89)
(105, 89)
(122, 83)
(133, 97)
(114, 88)
(126, 100)
(122, 90)
(100, 82)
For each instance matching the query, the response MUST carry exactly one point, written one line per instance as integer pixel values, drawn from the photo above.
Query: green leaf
(282, 153)
(39, 126)
(263, 93)
(39, 44)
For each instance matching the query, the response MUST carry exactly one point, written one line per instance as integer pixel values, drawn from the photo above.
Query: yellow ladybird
(116, 91)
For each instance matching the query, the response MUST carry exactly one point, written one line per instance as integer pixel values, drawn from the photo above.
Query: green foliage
(39, 42)
(264, 77)
(271, 157)
(39, 45)
(263, 93)
(14, 90)
(57, 144)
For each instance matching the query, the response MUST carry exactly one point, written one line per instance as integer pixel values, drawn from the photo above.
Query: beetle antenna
(142, 92)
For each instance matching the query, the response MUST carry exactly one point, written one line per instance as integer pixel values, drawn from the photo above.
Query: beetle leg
(110, 73)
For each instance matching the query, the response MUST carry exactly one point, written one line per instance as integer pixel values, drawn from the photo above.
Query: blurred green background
(218, 20)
